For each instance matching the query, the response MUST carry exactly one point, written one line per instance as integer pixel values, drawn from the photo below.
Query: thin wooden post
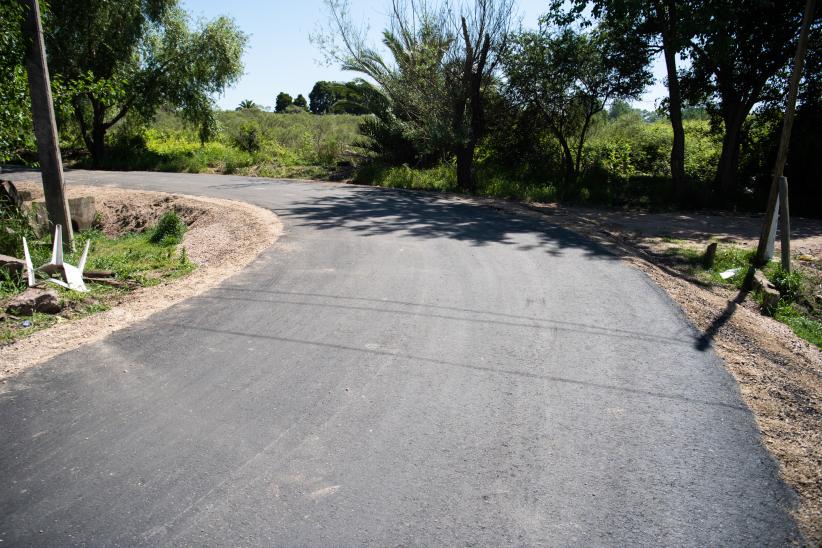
(784, 224)
(787, 125)
(45, 125)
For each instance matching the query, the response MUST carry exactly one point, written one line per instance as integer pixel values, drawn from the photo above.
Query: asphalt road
(396, 370)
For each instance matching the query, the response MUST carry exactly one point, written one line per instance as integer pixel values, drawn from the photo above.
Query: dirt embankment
(223, 237)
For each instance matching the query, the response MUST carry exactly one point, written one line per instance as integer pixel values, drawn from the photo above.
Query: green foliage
(789, 284)
(113, 59)
(247, 104)
(566, 77)
(282, 102)
(247, 137)
(339, 97)
(135, 257)
(800, 323)
(169, 230)
(248, 142)
(727, 258)
(300, 102)
(15, 226)
(15, 109)
(441, 178)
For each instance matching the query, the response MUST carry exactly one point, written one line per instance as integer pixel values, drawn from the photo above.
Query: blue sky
(280, 56)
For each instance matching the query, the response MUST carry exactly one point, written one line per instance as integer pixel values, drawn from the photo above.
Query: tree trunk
(465, 168)
(97, 145)
(726, 172)
(567, 157)
(98, 134)
(675, 103)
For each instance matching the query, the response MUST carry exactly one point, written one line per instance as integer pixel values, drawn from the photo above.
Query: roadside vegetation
(246, 142)
(131, 261)
(482, 107)
(798, 306)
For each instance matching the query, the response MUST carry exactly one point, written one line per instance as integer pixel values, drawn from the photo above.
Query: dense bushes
(250, 141)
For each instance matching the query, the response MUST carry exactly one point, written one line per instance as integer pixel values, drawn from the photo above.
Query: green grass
(727, 258)
(443, 178)
(805, 327)
(795, 288)
(132, 258)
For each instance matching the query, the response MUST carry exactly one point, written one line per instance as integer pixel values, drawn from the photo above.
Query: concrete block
(82, 212)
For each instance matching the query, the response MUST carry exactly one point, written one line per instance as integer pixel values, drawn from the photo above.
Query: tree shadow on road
(378, 211)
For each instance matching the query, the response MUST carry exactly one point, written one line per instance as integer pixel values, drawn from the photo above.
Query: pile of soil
(223, 237)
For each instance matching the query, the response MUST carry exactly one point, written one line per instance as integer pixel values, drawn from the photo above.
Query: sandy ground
(779, 374)
(223, 237)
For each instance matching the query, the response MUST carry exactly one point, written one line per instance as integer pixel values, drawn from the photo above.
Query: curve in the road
(398, 369)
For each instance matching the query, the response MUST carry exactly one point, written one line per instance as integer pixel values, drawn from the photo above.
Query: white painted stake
(29, 266)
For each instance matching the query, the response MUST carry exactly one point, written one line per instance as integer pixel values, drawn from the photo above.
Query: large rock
(12, 265)
(34, 300)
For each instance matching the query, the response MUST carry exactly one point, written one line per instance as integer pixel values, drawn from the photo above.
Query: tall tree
(339, 97)
(665, 26)
(300, 102)
(112, 59)
(568, 76)
(282, 102)
(737, 54)
(442, 62)
(321, 97)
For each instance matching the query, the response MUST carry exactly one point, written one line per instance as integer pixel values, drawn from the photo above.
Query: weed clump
(169, 230)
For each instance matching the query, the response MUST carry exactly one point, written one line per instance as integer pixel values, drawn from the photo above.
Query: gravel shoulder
(223, 237)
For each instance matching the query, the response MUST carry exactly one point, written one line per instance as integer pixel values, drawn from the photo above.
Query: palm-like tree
(247, 104)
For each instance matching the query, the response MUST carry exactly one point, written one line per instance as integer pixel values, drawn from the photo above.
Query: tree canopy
(282, 102)
(113, 59)
(566, 77)
(442, 61)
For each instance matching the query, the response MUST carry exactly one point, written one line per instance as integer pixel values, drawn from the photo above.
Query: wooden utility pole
(787, 125)
(45, 125)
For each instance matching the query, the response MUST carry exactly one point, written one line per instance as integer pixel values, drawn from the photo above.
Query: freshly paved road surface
(396, 370)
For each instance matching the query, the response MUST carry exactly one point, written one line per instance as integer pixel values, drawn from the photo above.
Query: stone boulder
(34, 300)
(13, 265)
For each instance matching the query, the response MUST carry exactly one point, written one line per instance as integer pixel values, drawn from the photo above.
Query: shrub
(789, 284)
(169, 230)
(15, 226)
(247, 138)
